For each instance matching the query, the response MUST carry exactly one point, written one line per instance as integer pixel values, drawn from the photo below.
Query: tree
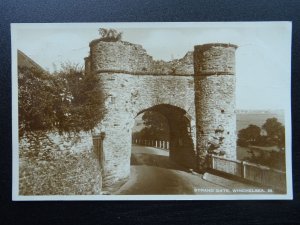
(156, 127)
(274, 137)
(275, 132)
(67, 101)
(249, 135)
(37, 98)
(82, 98)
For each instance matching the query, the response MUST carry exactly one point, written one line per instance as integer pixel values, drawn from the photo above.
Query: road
(152, 172)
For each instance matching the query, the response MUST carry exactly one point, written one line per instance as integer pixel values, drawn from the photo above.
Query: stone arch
(202, 84)
(117, 126)
(182, 136)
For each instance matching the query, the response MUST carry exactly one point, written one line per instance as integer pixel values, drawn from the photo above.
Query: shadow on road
(154, 160)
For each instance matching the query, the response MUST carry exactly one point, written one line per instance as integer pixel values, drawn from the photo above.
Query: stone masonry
(196, 94)
(215, 99)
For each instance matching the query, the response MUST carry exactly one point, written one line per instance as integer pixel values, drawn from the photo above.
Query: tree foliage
(275, 131)
(273, 159)
(156, 127)
(261, 145)
(274, 134)
(67, 101)
(249, 135)
(81, 97)
(38, 98)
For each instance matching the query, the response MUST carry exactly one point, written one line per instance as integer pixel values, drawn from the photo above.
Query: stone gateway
(196, 94)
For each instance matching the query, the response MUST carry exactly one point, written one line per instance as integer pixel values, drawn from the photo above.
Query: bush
(110, 35)
(38, 98)
(67, 101)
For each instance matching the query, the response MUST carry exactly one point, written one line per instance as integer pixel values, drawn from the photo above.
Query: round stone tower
(214, 67)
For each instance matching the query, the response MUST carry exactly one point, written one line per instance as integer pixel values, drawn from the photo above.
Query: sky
(263, 57)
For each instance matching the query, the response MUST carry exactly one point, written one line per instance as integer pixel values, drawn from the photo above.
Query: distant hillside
(243, 118)
(256, 117)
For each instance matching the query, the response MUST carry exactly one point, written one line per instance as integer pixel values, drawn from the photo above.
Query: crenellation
(123, 57)
(217, 59)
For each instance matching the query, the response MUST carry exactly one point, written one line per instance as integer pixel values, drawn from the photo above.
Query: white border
(15, 159)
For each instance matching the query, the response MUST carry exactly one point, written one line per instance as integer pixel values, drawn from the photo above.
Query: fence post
(167, 145)
(243, 172)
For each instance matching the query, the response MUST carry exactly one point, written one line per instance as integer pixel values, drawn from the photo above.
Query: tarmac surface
(153, 173)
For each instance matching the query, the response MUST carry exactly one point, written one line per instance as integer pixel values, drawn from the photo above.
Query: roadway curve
(152, 172)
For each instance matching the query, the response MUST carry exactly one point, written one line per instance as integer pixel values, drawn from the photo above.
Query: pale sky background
(263, 58)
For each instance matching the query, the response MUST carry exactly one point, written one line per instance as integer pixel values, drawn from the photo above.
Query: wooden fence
(266, 176)
(152, 143)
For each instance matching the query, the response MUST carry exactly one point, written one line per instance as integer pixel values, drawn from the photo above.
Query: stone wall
(127, 96)
(215, 99)
(54, 142)
(133, 82)
(124, 57)
(53, 164)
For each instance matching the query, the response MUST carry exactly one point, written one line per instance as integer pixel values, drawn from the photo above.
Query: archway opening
(162, 137)
(162, 165)
(150, 140)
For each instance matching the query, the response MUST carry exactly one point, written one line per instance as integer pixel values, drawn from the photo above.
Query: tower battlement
(214, 59)
(125, 57)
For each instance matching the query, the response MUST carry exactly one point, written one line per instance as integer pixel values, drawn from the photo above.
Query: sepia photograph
(151, 111)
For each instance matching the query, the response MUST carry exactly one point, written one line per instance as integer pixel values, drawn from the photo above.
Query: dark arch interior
(181, 146)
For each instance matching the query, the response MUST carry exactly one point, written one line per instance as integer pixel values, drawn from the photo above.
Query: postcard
(151, 111)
